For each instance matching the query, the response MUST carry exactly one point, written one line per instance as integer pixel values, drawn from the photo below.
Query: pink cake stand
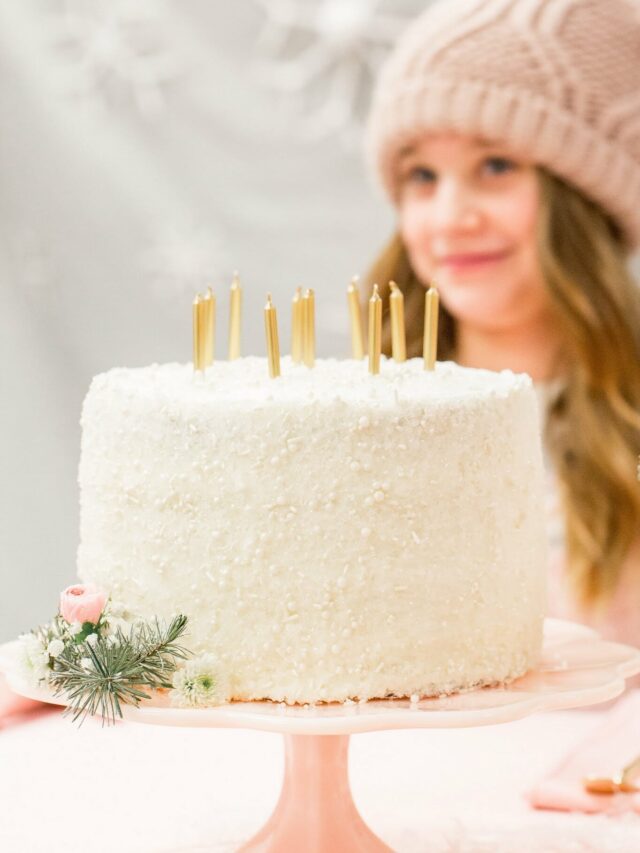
(316, 812)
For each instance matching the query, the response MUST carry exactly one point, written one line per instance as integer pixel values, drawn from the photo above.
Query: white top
(546, 393)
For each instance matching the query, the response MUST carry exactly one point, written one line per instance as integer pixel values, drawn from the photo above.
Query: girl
(507, 134)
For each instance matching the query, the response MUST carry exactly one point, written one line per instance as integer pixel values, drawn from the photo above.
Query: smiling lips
(471, 259)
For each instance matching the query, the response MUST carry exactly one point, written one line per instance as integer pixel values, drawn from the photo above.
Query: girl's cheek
(516, 213)
(414, 227)
(415, 231)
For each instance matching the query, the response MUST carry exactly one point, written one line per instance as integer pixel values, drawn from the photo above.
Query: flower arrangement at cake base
(98, 657)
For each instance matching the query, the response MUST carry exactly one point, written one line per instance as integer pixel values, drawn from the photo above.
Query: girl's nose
(455, 208)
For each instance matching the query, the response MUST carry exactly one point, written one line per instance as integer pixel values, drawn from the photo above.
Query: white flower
(33, 659)
(55, 648)
(92, 639)
(196, 684)
(86, 663)
(75, 628)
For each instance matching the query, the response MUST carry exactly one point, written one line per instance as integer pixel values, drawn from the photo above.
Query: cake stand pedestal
(316, 812)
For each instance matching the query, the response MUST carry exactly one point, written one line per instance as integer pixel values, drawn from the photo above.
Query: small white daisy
(196, 684)
(55, 648)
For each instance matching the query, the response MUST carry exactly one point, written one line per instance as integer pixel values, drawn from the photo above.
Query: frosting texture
(331, 535)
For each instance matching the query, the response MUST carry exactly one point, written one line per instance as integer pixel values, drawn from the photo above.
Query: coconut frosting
(330, 534)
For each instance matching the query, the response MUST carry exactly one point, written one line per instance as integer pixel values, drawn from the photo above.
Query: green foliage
(99, 676)
(87, 628)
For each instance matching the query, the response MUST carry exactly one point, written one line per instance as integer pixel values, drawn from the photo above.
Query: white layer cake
(330, 534)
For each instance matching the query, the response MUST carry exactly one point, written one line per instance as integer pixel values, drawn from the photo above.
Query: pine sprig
(115, 669)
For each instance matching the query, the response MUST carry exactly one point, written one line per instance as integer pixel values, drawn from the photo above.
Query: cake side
(330, 535)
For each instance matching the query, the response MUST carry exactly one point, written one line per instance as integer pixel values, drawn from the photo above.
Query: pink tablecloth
(142, 789)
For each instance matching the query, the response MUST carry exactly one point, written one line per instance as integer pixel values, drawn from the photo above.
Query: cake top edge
(247, 380)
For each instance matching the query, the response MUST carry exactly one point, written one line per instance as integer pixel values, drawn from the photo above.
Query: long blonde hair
(593, 426)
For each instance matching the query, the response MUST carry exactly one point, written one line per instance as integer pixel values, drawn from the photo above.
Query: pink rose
(82, 603)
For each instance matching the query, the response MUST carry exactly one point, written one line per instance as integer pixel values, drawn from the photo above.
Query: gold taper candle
(398, 336)
(296, 326)
(375, 330)
(355, 316)
(309, 326)
(430, 344)
(273, 345)
(235, 317)
(208, 327)
(197, 333)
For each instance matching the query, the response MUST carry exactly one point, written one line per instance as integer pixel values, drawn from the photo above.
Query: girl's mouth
(470, 260)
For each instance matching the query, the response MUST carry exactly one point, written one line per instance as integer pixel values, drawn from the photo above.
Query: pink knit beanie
(557, 80)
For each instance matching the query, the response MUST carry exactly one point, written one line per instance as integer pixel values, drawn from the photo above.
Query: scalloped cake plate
(576, 668)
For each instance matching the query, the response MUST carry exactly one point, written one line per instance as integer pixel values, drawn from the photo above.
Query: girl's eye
(499, 165)
(421, 175)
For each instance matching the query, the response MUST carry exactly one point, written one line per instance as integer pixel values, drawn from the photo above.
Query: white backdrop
(147, 149)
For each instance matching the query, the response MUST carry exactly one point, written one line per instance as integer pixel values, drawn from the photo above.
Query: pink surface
(316, 811)
(446, 790)
(156, 789)
(604, 752)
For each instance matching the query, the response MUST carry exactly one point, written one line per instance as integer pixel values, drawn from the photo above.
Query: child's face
(468, 214)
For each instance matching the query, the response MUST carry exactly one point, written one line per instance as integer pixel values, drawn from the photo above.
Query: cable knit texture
(557, 80)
